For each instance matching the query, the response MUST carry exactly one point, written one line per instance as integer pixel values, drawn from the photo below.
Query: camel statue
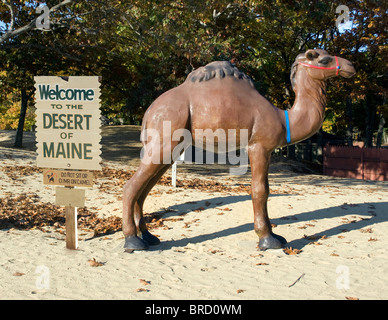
(218, 96)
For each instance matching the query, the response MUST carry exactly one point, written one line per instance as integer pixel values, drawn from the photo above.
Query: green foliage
(9, 115)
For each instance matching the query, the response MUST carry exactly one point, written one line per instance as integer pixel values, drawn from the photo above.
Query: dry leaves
(26, 211)
(94, 263)
(144, 282)
(223, 210)
(214, 251)
(18, 172)
(118, 177)
(315, 237)
(310, 237)
(291, 251)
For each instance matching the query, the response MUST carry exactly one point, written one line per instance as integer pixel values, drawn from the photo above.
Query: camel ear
(311, 54)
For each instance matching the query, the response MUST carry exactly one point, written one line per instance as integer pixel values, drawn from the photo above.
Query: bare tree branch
(9, 5)
(11, 32)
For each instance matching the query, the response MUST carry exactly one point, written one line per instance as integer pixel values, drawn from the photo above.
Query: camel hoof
(149, 238)
(273, 241)
(135, 243)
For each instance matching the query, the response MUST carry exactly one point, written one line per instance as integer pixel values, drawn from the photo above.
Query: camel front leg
(259, 159)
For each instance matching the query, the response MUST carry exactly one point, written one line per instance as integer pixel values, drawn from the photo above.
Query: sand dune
(336, 229)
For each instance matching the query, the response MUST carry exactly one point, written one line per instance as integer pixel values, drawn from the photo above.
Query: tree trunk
(349, 120)
(128, 106)
(22, 117)
(319, 155)
(309, 150)
(291, 151)
(369, 122)
(380, 131)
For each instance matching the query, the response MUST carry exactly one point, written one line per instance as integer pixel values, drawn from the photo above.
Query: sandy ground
(336, 231)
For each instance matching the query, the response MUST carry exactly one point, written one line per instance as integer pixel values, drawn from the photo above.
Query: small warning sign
(68, 178)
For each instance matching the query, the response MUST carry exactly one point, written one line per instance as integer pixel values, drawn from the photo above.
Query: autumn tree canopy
(143, 48)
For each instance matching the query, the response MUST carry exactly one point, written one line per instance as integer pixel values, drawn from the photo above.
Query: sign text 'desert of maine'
(68, 122)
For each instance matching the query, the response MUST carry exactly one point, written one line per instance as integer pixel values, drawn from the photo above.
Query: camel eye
(326, 60)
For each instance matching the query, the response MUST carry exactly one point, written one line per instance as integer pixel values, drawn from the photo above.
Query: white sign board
(68, 122)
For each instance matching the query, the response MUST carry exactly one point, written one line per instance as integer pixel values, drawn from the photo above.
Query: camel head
(321, 66)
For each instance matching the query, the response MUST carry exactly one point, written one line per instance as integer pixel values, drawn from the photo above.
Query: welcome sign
(68, 122)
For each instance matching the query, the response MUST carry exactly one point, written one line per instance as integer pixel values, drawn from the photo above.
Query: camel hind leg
(139, 219)
(132, 191)
(135, 192)
(165, 125)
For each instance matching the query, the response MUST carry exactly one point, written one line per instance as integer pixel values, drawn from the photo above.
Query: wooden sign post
(68, 140)
(71, 228)
(70, 198)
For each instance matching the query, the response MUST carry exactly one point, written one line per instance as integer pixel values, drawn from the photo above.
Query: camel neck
(307, 113)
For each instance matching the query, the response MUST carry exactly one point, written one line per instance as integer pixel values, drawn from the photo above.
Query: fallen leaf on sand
(313, 237)
(240, 291)
(94, 263)
(352, 298)
(18, 274)
(144, 282)
(290, 251)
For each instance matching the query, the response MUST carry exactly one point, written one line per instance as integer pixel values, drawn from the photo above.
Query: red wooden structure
(354, 162)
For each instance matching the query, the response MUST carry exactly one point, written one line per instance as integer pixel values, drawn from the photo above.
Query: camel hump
(218, 69)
